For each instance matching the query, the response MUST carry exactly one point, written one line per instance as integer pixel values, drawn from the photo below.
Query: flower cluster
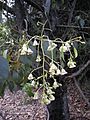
(48, 64)
(71, 63)
(48, 96)
(26, 50)
(54, 70)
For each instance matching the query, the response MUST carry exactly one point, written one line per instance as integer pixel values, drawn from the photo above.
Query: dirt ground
(18, 106)
(79, 110)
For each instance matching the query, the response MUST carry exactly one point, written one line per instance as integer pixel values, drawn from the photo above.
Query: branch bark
(79, 71)
(81, 92)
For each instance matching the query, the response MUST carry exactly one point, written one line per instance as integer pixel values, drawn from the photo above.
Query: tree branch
(79, 71)
(81, 92)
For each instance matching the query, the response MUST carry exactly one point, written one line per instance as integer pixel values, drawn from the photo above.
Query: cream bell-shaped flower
(49, 91)
(53, 68)
(51, 98)
(67, 45)
(71, 64)
(58, 72)
(35, 43)
(36, 96)
(26, 50)
(38, 59)
(63, 71)
(55, 84)
(63, 48)
(51, 46)
(45, 99)
(24, 47)
(29, 51)
(30, 77)
(33, 83)
(52, 72)
(23, 52)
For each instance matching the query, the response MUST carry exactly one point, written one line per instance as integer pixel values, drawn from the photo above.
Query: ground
(77, 106)
(18, 106)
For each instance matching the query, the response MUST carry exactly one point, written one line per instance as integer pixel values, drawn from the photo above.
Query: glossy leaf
(4, 69)
(24, 59)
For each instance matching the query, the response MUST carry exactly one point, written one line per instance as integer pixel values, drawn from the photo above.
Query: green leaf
(11, 85)
(17, 77)
(4, 69)
(24, 59)
(75, 52)
(28, 89)
(2, 89)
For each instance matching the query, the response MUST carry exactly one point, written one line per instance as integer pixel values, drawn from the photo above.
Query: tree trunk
(58, 109)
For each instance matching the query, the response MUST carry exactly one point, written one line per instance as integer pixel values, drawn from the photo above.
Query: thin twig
(71, 26)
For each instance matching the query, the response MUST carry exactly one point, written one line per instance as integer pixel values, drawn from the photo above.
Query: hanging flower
(35, 43)
(38, 59)
(63, 48)
(23, 52)
(67, 45)
(33, 83)
(24, 47)
(51, 46)
(53, 69)
(26, 50)
(63, 71)
(49, 91)
(71, 64)
(45, 99)
(29, 51)
(53, 66)
(30, 77)
(51, 98)
(55, 84)
(5, 53)
(36, 96)
(58, 72)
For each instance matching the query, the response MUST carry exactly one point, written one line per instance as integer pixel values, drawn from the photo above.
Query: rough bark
(58, 109)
